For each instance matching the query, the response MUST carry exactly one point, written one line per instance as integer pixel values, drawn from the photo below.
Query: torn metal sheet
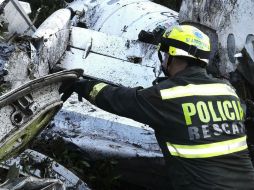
(14, 56)
(102, 135)
(30, 58)
(12, 72)
(30, 183)
(229, 23)
(17, 63)
(34, 164)
(50, 40)
(26, 110)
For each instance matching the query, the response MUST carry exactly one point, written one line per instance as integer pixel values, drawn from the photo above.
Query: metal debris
(26, 110)
(229, 25)
(38, 166)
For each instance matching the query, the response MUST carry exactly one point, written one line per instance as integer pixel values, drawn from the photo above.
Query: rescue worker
(197, 119)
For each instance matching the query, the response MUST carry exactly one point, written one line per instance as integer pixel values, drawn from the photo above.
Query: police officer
(198, 120)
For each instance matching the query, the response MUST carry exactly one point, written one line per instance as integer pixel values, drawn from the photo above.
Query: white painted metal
(111, 58)
(103, 135)
(17, 19)
(26, 6)
(97, 132)
(113, 46)
(111, 69)
(51, 40)
(126, 18)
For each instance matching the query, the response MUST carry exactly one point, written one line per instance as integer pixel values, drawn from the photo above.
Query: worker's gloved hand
(81, 87)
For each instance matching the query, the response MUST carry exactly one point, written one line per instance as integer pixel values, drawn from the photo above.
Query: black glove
(82, 87)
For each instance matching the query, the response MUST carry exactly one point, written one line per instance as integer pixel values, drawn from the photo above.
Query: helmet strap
(162, 66)
(170, 59)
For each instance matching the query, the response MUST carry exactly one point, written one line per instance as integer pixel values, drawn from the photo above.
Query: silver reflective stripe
(208, 150)
(96, 89)
(197, 90)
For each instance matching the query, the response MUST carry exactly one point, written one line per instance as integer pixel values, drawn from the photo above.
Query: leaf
(85, 163)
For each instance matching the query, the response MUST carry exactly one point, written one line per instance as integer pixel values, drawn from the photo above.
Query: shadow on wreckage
(81, 134)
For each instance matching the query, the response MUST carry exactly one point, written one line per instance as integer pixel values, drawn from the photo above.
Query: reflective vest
(199, 125)
(229, 111)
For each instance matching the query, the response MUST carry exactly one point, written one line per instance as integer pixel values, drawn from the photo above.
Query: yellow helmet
(186, 41)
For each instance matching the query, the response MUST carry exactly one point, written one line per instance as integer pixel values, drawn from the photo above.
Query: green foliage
(4, 87)
(172, 4)
(98, 174)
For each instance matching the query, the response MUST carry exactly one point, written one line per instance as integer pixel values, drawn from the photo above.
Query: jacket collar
(192, 71)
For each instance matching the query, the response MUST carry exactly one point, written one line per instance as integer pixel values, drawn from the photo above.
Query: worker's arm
(134, 103)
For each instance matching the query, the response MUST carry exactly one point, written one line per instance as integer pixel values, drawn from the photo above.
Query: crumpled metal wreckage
(39, 165)
(32, 183)
(111, 40)
(105, 47)
(29, 93)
